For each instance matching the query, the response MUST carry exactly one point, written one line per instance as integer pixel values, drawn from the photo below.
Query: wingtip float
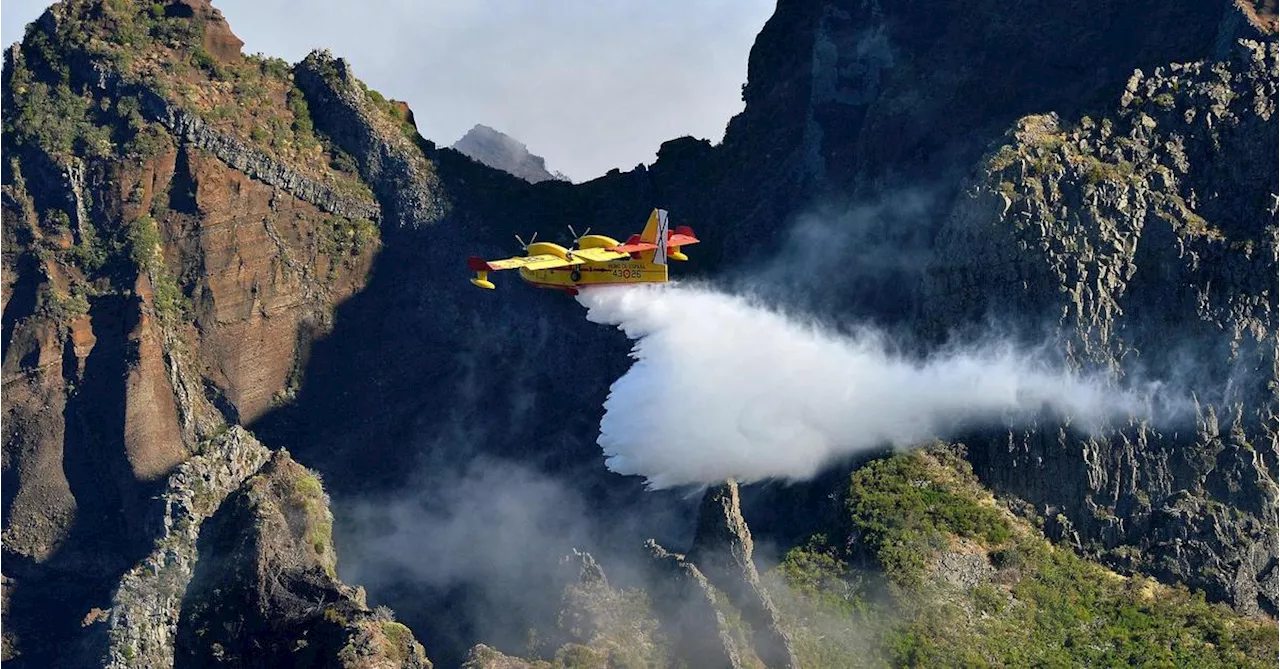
(597, 260)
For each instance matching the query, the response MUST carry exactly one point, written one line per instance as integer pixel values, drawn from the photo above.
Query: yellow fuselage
(623, 270)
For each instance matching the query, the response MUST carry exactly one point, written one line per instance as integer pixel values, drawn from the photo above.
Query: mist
(726, 387)
(473, 551)
(483, 522)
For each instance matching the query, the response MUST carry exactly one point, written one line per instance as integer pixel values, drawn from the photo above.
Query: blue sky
(588, 84)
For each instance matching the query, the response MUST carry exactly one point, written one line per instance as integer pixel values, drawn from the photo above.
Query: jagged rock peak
(219, 41)
(145, 608)
(721, 528)
(503, 152)
(722, 550)
(486, 657)
(589, 571)
(378, 134)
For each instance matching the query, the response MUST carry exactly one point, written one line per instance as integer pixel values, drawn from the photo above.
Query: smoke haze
(724, 387)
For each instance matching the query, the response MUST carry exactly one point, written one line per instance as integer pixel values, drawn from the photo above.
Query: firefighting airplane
(598, 259)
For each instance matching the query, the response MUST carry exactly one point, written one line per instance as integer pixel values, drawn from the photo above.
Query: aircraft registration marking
(631, 271)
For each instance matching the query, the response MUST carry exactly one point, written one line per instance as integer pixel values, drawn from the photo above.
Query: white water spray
(722, 388)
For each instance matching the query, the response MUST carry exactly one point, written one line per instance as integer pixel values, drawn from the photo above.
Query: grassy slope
(882, 600)
(251, 98)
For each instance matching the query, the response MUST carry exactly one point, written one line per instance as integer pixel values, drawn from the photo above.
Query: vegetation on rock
(1025, 601)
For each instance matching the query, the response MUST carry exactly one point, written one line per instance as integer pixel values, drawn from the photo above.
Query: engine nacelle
(597, 242)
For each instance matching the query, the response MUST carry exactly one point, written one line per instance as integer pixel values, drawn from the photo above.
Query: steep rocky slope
(143, 616)
(1146, 238)
(175, 236)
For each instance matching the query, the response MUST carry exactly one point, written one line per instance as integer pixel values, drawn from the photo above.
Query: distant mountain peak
(504, 152)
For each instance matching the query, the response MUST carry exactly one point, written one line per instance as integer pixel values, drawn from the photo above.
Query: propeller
(525, 246)
(576, 236)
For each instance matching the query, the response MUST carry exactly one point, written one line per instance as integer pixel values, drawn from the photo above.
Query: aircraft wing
(599, 255)
(545, 261)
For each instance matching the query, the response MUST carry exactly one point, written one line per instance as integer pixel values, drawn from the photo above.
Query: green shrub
(341, 237)
(1097, 171)
(90, 254)
(144, 242)
(308, 487)
(274, 68)
(400, 638)
(822, 604)
(147, 252)
(577, 656)
(204, 60)
(332, 615)
(59, 121)
(1004, 158)
(817, 571)
(904, 514)
(342, 161)
(62, 309)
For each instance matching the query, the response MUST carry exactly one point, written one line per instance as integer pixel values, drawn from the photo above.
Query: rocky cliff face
(1135, 238)
(167, 264)
(716, 578)
(707, 609)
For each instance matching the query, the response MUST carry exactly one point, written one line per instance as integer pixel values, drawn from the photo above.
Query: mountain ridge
(178, 266)
(503, 152)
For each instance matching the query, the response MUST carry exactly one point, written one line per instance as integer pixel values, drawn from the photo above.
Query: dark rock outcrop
(590, 573)
(503, 152)
(599, 625)
(144, 612)
(687, 606)
(217, 38)
(252, 162)
(722, 550)
(390, 161)
(265, 590)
